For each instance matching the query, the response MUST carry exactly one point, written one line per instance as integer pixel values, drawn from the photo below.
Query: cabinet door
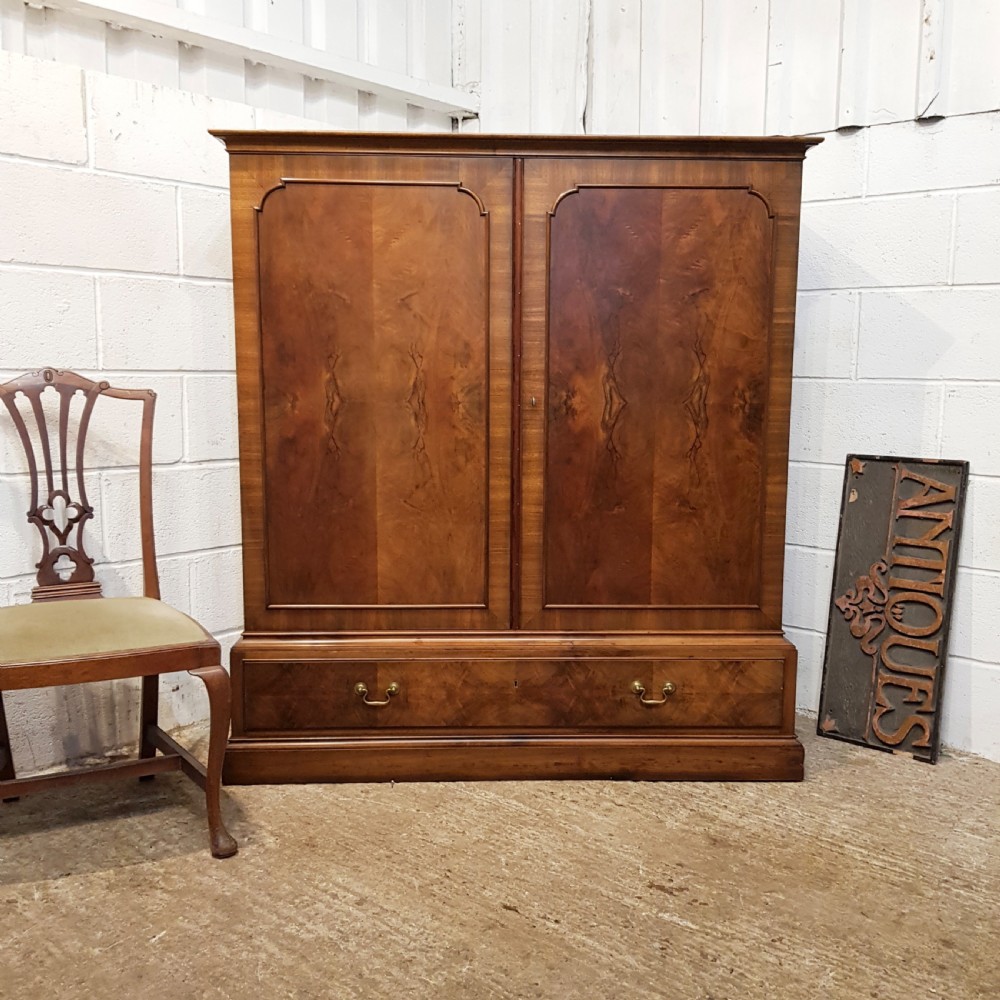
(654, 392)
(375, 373)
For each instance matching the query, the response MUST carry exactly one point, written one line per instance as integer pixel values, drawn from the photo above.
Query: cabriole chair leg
(217, 684)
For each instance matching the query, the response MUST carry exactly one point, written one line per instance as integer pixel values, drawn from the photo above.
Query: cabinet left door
(373, 299)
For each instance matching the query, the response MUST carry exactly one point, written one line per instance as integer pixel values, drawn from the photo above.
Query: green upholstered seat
(66, 630)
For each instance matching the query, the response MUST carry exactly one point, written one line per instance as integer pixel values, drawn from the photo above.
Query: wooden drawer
(296, 696)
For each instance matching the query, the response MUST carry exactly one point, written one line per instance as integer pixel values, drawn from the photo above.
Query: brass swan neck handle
(361, 690)
(637, 689)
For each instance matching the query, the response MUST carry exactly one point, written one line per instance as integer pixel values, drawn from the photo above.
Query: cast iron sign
(892, 586)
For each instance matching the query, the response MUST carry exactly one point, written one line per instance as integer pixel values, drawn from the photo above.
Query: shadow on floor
(133, 823)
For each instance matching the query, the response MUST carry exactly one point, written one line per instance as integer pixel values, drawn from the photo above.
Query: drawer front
(296, 696)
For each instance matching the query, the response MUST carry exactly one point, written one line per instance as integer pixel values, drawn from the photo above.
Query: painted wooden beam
(258, 47)
(931, 101)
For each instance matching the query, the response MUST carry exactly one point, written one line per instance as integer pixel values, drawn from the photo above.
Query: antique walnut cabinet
(513, 439)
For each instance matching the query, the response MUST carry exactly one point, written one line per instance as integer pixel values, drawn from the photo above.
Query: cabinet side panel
(373, 312)
(658, 319)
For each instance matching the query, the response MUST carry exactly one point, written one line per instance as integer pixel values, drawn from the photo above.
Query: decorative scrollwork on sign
(864, 606)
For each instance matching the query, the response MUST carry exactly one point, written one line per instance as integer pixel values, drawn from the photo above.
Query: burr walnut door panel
(385, 373)
(646, 322)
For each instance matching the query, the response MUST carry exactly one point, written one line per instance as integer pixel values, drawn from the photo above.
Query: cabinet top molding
(471, 144)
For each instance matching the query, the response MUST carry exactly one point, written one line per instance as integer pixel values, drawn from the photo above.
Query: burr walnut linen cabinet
(513, 441)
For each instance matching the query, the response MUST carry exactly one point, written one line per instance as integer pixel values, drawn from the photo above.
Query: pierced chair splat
(70, 633)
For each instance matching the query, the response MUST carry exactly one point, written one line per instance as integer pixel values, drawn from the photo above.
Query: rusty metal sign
(892, 588)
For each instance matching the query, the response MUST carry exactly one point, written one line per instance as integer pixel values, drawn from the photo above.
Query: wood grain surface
(558, 694)
(374, 326)
(655, 397)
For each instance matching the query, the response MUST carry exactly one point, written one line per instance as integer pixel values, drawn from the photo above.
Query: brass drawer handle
(361, 690)
(668, 689)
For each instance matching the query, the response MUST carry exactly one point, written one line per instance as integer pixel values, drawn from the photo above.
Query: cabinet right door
(656, 346)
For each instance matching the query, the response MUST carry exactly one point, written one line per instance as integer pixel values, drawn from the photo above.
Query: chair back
(59, 506)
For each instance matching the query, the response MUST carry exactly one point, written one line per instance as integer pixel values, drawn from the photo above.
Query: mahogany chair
(69, 633)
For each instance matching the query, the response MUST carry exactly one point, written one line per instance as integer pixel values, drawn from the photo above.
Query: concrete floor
(878, 877)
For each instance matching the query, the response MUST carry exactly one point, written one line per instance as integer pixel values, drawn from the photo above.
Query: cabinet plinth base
(514, 758)
(501, 706)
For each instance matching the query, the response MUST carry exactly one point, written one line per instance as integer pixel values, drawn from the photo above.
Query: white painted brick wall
(211, 427)
(974, 624)
(41, 113)
(865, 243)
(839, 172)
(39, 305)
(218, 608)
(813, 505)
(949, 153)
(898, 352)
(830, 318)
(169, 325)
(184, 521)
(810, 645)
(980, 547)
(206, 248)
(155, 132)
(808, 604)
(831, 418)
(969, 711)
(929, 334)
(977, 236)
(86, 219)
(970, 425)
(18, 550)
